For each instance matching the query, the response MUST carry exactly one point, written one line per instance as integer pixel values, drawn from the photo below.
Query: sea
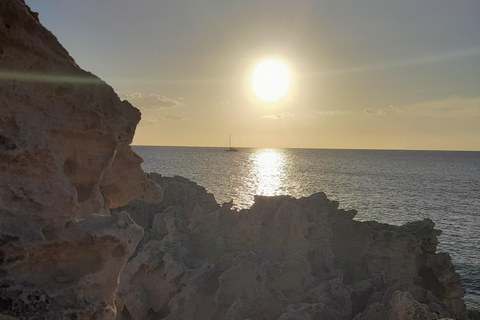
(387, 186)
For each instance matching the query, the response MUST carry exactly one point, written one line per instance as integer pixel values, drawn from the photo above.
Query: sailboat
(230, 144)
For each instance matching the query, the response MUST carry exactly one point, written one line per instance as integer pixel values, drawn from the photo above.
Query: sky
(369, 74)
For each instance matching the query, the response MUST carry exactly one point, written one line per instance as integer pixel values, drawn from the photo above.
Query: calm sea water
(387, 186)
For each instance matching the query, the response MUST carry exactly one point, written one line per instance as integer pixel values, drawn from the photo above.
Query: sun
(270, 80)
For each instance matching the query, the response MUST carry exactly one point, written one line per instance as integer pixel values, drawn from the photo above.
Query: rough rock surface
(283, 258)
(65, 161)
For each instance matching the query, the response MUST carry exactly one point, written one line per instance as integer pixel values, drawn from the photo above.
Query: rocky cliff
(65, 161)
(283, 258)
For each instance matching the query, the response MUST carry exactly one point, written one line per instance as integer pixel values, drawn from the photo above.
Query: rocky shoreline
(283, 258)
(85, 234)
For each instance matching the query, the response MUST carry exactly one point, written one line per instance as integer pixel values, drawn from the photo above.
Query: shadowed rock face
(65, 160)
(283, 259)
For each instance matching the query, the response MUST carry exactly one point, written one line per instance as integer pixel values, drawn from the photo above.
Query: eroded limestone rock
(74, 276)
(65, 161)
(283, 258)
(125, 180)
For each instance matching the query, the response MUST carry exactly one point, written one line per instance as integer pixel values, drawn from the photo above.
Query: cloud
(374, 112)
(334, 113)
(278, 116)
(396, 109)
(224, 103)
(271, 116)
(173, 117)
(455, 107)
(152, 101)
(148, 122)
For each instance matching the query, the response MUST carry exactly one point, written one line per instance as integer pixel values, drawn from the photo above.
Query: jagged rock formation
(65, 161)
(282, 259)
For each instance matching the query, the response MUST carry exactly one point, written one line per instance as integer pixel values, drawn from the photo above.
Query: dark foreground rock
(282, 259)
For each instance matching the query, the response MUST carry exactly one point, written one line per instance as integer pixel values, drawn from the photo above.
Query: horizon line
(308, 148)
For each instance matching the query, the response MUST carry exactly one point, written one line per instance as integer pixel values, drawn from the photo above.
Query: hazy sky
(376, 74)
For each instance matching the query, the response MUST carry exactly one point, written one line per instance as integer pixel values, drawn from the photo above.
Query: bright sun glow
(270, 80)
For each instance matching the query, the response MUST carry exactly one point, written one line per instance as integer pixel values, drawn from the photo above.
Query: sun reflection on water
(268, 169)
(266, 176)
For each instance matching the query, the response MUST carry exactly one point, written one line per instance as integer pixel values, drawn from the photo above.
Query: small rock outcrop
(65, 161)
(283, 258)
